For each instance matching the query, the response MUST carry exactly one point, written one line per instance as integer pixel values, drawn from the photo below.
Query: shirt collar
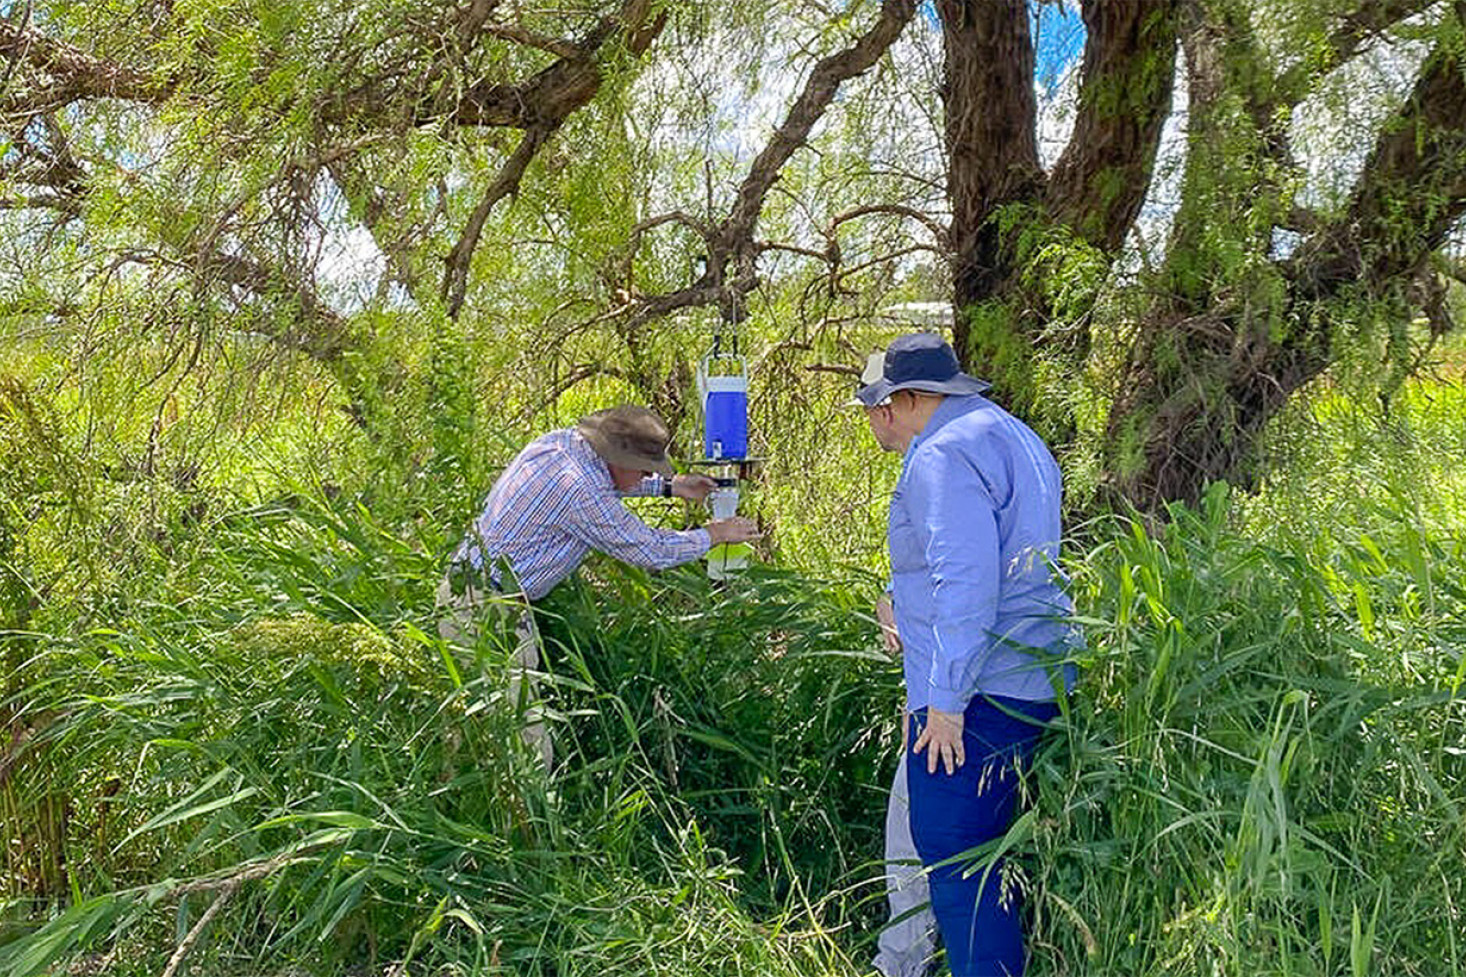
(951, 408)
(593, 464)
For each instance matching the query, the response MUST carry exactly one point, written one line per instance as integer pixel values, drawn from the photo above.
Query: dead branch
(938, 232)
(837, 368)
(226, 887)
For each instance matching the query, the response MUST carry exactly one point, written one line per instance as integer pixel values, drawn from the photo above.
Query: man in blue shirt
(981, 617)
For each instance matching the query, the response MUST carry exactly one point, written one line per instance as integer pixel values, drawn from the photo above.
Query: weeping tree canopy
(1201, 207)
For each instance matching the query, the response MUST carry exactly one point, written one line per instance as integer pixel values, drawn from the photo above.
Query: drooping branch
(323, 334)
(1100, 182)
(560, 89)
(1410, 195)
(934, 227)
(732, 250)
(626, 272)
(519, 35)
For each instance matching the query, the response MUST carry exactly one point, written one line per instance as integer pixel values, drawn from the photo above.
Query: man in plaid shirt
(560, 498)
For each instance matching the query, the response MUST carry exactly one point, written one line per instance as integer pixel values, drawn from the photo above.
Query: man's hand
(694, 487)
(943, 735)
(886, 617)
(735, 529)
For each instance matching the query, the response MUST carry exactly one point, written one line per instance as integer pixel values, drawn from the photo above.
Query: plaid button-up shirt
(553, 505)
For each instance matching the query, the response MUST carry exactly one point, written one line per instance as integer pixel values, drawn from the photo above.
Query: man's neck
(915, 420)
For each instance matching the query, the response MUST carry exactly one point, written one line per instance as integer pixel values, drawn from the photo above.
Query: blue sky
(1059, 37)
(1059, 34)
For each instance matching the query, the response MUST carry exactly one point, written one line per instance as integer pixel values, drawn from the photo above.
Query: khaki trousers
(460, 615)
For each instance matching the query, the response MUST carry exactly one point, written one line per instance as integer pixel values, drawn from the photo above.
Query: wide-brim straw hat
(628, 437)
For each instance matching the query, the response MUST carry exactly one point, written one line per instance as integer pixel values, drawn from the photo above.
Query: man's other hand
(735, 529)
(942, 735)
(886, 617)
(694, 487)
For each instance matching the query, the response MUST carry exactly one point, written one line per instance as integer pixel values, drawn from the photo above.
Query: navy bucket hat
(922, 361)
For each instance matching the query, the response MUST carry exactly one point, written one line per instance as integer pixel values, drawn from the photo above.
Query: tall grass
(348, 788)
(1255, 776)
(233, 741)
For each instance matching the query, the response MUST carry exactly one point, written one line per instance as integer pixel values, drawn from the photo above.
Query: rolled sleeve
(647, 488)
(955, 519)
(603, 522)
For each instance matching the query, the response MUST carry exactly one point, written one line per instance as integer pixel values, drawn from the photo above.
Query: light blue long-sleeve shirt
(974, 536)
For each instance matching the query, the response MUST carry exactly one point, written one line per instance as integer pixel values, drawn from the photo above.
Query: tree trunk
(991, 138)
(1225, 349)
(1005, 211)
(1174, 431)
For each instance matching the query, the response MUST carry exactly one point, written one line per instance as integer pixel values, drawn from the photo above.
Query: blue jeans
(952, 813)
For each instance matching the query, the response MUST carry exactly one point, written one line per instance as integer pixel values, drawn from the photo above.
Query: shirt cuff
(704, 538)
(947, 700)
(649, 487)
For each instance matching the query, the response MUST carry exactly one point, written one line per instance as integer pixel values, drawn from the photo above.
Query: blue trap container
(724, 410)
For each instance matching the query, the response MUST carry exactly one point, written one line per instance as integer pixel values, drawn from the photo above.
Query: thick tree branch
(519, 35)
(1100, 182)
(732, 250)
(1235, 161)
(57, 74)
(991, 135)
(549, 97)
(1204, 418)
(819, 90)
(460, 258)
(560, 90)
(471, 20)
(1410, 195)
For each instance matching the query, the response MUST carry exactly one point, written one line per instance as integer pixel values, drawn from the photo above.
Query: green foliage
(31, 477)
(1258, 774)
(223, 690)
(361, 778)
(1236, 750)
